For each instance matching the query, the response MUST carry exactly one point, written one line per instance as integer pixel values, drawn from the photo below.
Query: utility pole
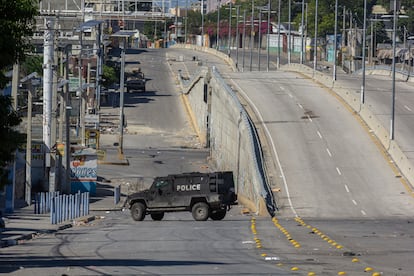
(66, 187)
(121, 101)
(99, 68)
(28, 189)
(48, 63)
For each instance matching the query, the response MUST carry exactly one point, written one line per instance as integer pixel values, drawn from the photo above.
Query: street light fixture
(395, 17)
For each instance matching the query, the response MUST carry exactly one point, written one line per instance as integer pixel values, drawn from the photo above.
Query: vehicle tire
(218, 214)
(138, 211)
(157, 216)
(200, 211)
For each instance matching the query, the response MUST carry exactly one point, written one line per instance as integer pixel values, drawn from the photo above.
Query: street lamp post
(237, 36)
(251, 36)
(121, 100)
(218, 26)
(259, 46)
(186, 21)
(289, 32)
(269, 7)
(278, 36)
(244, 37)
(363, 53)
(302, 34)
(394, 45)
(335, 40)
(202, 23)
(315, 43)
(229, 39)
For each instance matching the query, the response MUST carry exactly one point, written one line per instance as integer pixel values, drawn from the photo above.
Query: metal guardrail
(256, 147)
(62, 207)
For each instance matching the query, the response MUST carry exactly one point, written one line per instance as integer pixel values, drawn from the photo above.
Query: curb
(19, 239)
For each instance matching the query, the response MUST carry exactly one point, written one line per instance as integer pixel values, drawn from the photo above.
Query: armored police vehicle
(203, 194)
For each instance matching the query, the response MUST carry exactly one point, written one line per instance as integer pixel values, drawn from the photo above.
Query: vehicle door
(161, 193)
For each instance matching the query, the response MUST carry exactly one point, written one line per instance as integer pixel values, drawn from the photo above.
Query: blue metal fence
(62, 207)
(43, 201)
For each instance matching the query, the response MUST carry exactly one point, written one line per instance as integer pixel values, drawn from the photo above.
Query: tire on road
(138, 211)
(218, 214)
(157, 216)
(200, 211)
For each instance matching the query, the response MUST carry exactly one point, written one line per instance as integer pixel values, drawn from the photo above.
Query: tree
(10, 139)
(16, 24)
(109, 76)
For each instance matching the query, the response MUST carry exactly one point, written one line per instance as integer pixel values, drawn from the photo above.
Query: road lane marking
(363, 212)
(282, 173)
(406, 107)
(329, 153)
(319, 134)
(346, 188)
(354, 202)
(339, 172)
(309, 118)
(301, 106)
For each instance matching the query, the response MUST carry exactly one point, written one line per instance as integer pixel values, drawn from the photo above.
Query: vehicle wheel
(200, 211)
(138, 211)
(218, 214)
(157, 216)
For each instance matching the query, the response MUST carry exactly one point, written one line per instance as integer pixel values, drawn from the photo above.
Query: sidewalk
(23, 224)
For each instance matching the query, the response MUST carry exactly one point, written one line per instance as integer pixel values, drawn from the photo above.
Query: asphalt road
(342, 208)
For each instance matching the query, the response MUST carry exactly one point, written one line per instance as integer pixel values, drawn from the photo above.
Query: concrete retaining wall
(366, 114)
(224, 126)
